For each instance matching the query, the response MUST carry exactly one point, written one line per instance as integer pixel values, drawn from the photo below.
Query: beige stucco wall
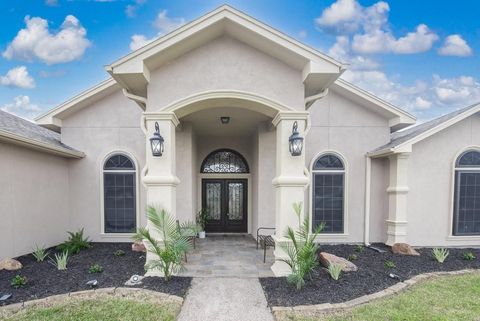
(33, 200)
(112, 124)
(344, 127)
(379, 200)
(431, 180)
(225, 63)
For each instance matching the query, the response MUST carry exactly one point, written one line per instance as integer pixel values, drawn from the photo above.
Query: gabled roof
(398, 118)
(20, 131)
(402, 141)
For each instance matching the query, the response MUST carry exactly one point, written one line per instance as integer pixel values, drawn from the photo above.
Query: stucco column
(290, 182)
(397, 199)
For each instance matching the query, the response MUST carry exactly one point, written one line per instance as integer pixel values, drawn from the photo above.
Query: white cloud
(463, 90)
(51, 3)
(163, 23)
(21, 106)
(131, 9)
(37, 42)
(303, 34)
(18, 77)
(341, 16)
(455, 45)
(422, 103)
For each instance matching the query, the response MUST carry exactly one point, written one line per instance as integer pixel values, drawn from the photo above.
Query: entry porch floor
(228, 256)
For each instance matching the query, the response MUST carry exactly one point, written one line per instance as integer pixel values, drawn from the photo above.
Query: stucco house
(226, 93)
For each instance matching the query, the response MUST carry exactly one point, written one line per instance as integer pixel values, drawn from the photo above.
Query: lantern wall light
(156, 142)
(295, 141)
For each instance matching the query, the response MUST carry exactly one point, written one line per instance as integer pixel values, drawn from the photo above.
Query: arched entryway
(225, 191)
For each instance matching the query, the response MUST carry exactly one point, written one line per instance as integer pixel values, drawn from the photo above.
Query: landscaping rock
(139, 247)
(404, 249)
(326, 259)
(10, 265)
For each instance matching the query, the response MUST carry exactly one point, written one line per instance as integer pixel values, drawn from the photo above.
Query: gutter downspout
(141, 101)
(310, 100)
(368, 177)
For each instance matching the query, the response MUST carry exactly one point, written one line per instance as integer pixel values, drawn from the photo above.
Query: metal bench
(265, 240)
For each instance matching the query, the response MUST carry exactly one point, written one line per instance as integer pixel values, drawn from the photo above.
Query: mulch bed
(45, 280)
(372, 275)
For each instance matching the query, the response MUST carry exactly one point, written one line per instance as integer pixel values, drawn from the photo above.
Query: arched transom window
(119, 192)
(224, 161)
(466, 216)
(328, 193)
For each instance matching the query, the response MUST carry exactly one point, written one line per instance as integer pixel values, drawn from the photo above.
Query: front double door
(226, 203)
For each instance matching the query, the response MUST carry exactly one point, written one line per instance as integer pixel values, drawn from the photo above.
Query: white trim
(126, 152)
(450, 236)
(38, 145)
(368, 179)
(327, 236)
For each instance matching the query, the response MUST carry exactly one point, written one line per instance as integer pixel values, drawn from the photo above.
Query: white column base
(280, 268)
(396, 232)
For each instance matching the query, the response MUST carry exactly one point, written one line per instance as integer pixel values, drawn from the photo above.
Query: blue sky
(421, 56)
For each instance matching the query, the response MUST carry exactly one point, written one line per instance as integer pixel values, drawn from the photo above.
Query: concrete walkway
(225, 299)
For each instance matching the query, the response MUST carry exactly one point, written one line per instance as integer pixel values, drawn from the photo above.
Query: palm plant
(302, 249)
(170, 246)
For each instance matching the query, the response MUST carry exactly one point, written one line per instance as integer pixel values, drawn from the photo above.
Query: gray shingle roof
(24, 128)
(403, 136)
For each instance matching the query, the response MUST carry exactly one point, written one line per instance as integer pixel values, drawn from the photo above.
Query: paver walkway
(225, 299)
(228, 256)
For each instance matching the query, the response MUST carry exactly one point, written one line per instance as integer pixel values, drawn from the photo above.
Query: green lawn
(453, 298)
(101, 309)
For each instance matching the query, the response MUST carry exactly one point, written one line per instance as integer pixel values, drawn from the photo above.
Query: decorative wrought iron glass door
(226, 202)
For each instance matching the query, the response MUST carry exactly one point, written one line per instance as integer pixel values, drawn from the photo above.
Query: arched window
(224, 161)
(119, 193)
(328, 189)
(466, 216)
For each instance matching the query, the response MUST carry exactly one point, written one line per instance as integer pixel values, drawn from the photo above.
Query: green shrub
(440, 254)
(202, 219)
(359, 248)
(19, 281)
(119, 253)
(468, 256)
(389, 264)
(352, 257)
(301, 248)
(39, 253)
(96, 268)
(75, 243)
(335, 270)
(170, 249)
(60, 261)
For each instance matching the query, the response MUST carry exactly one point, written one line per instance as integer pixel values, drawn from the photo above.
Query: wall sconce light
(295, 141)
(156, 142)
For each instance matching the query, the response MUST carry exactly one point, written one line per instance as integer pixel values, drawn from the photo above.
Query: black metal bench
(265, 240)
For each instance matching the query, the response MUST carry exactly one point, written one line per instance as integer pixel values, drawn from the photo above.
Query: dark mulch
(45, 280)
(372, 275)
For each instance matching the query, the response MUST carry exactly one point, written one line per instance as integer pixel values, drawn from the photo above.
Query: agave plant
(169, 244)
(302, 249)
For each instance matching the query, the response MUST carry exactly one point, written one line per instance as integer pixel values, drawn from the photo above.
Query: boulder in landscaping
(138, 247)
(404, 249)
(10, 265)
(326, 259)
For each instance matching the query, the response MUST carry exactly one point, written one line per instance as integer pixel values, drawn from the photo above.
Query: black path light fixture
(156, 142)
(295, 141)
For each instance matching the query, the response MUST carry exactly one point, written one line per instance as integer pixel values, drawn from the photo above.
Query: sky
(422, 56)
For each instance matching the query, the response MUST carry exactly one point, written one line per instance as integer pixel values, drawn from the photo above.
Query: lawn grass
(104, 309)
(441, 299)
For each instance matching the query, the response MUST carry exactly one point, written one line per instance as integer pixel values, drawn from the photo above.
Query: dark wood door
(226, 202)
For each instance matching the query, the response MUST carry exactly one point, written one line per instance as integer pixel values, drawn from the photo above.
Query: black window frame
(237, 164)
(125, 171)
(332, 170)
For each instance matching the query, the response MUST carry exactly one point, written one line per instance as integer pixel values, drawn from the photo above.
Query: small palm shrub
(60, 261)
(352, 257)
(96, 268)
(169, 249)
(301, 250)
(468, 256)
(202, 219)
(75, 243)
(39, 253)
(19, 281)
(440, 254)
(359, 248)
(389, 264)
(335, 270)
(119, 253)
